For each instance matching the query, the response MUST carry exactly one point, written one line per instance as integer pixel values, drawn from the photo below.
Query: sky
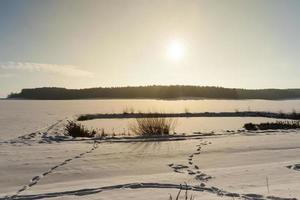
(103, 43)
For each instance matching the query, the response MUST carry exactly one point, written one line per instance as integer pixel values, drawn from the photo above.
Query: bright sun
(175, 50)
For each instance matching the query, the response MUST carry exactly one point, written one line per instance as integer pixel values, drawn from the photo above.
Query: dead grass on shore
(77, 130)
(186, 196)
(273, 125)
(153, 126)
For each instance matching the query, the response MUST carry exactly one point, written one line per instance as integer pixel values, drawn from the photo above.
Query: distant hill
(155, 92)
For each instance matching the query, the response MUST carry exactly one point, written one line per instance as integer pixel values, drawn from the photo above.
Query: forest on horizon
(155, 92)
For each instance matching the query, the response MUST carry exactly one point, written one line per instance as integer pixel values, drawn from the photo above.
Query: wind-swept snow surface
(240, 166)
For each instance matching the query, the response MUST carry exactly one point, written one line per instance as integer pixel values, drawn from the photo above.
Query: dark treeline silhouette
(155, 92)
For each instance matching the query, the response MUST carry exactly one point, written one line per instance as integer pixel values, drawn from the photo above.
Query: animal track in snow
(294, 167)
(36, 179)
(200, 188)
(189, 169)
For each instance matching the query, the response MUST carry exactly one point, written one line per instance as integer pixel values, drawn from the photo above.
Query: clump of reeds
(128, 110)
(77, 130)
(185, 196)
(250, 127)
(273, 125)
(295, 114)
(83, 118)
(153, 126)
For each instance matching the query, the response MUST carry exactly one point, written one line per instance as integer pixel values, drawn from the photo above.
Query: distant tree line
(155, 92)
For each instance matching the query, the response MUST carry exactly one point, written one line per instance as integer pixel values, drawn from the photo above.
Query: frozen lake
(19, 117)
(181, 125)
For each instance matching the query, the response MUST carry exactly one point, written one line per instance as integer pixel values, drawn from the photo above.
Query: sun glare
(175, 50)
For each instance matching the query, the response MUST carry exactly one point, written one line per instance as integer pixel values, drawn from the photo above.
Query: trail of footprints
(41, 134)
(82, 192)
(294, 167)
(192, 169)
(36, 179)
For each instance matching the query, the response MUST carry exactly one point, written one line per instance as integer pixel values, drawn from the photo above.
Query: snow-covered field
(36, 165)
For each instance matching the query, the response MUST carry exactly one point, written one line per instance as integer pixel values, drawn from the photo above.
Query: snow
(34, 165)
(81, 169)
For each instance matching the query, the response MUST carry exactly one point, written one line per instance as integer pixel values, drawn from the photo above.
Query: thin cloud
(6, 75)
(65, 70)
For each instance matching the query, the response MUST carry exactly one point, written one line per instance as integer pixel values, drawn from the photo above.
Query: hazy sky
(86, 43)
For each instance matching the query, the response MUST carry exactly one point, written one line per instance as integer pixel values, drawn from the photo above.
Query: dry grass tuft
(273, 125)
(186, 196)
(77, 130)
(153, 126)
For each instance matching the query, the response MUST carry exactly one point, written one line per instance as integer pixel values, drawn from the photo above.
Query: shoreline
(292, 116)
(162, 99)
